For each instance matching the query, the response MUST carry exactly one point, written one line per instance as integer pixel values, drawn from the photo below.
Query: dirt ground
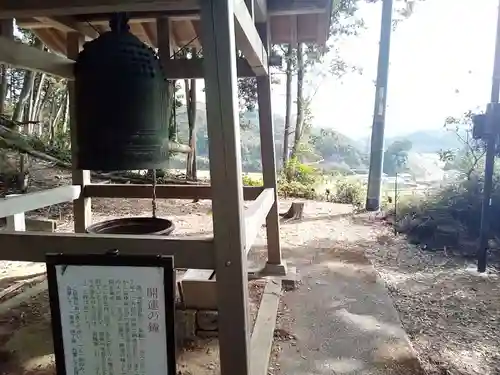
(450, 313)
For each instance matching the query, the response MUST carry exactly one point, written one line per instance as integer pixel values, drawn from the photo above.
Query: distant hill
(327, 145)
(429, 141)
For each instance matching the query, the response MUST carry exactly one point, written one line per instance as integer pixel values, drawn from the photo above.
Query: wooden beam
(39, 199)
(193, 68)
(162, 191)
(69, 24)
(255, 216)
(16, 222)
(268, 156)
(295, 7)
(218, 41)
(295, 11)
(248, 40)
(82, 210)
(260, 10)
(36, 8)
(32, 247)
(23, 56)
(7, 28)
(261, 342)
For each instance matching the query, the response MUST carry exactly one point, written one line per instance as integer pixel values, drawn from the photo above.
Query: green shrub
(295, 171)
(250, 181)
(348, 192)
(296, 189)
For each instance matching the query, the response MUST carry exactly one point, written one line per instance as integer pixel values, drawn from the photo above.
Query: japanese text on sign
(113, 320)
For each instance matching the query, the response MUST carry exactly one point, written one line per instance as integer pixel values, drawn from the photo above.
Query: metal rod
(377, 138)
(490, 161)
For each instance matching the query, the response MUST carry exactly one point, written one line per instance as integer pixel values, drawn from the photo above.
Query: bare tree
(190, 87)
(288, 112)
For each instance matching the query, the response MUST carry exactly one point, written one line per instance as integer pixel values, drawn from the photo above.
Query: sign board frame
(111, 260)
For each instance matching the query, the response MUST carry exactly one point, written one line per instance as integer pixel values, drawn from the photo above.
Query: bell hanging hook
(118, 22)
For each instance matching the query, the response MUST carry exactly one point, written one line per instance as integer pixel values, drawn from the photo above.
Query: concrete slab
(342, 320)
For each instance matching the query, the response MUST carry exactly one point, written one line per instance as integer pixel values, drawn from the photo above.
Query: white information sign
(113, 319)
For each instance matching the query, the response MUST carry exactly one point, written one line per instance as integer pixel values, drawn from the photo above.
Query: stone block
(207, 320)
(185, 326)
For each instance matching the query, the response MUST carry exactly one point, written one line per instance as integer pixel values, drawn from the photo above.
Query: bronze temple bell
(121, 103)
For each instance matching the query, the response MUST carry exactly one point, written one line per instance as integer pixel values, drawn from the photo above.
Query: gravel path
(341, 319)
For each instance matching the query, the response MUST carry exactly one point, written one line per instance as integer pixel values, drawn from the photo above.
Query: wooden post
(164, 41)
(274, 262)
(16, 222)
(82, 212)
(217, 18)
(165, 48)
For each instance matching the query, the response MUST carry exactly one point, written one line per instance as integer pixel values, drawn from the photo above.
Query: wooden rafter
(185, 33)
(59, 40)
(24, 56)
(139, 31)
(47, 37)
(150, 30)
(69, 24)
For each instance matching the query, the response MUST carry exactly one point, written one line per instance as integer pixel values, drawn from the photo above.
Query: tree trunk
(43, 102)
(7, 31)
(4, 85)
(300, 101)
(189, 162)
(30, 106)
(288, 104)
(65, 121)
(29, 81)
(39, 90)
(191, 113)
(59, 112)
(172, 125)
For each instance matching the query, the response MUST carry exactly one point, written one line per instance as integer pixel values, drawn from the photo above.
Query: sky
(440, 65)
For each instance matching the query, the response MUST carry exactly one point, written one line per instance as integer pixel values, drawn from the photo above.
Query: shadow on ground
(341, 319)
